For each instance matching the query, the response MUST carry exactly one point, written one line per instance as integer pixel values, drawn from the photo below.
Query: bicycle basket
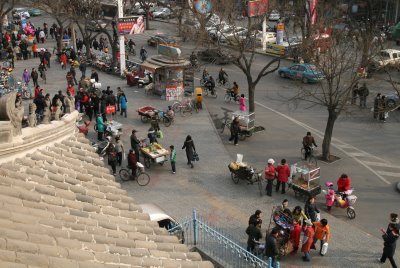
(140, 166)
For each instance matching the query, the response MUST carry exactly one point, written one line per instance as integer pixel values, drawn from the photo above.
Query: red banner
(313, 11)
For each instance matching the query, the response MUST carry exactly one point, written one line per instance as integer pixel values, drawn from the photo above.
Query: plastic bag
(318, 217)
(324, 248)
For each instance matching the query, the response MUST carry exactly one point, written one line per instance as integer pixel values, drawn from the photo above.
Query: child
(330, 196)
(242, 103)
(172, 158)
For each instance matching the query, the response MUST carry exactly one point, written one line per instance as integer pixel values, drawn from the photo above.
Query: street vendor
(152, 135)
(132, 161)
(344, 184)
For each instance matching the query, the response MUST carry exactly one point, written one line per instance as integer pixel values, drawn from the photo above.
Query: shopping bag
(195, 156)
(318, 217)
(160, 134)
(110, 109)
(324, 248)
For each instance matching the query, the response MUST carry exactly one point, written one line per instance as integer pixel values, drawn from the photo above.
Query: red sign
(257, 8)
(313, 11)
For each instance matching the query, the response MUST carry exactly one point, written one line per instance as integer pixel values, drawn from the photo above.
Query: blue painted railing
(219, 246)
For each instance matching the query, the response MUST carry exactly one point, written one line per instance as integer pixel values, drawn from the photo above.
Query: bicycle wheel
(176, 107)
(235, 178)
(215, 95)
(167, 122)
(218, 82)
(124, 174)
(227, 84)
(144, 118)
(351, 213)
(242, 136)
(227, 98)
(312, 160)
(185, 110)
(302, 153)
(147, 162)
(143, 179)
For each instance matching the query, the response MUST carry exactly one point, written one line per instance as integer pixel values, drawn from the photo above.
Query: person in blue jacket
(100, 127)
(123, 103)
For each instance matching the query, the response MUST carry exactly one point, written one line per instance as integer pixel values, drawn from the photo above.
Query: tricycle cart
(147, 112)
(305, 182)
(240, 170)
(154, 153)
(283, 222)
(247, 124)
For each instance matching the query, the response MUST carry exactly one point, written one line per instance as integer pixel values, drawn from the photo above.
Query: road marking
(335, 144)
(379, 164)
(391, 174)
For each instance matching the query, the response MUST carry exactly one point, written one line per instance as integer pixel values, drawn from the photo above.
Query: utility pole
(121, 39)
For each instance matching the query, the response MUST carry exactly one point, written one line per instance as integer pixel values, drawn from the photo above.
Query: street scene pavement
(369, 153)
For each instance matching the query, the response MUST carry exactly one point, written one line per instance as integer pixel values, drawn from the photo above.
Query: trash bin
(198, 93)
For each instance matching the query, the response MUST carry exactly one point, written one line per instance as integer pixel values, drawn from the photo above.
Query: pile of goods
(237, 166)
(301, 182)
(155, 148)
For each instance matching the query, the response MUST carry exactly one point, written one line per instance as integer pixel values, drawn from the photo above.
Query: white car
(21, 13)
(236, 33)
(215, 30)
(274, 16)
(163, 13)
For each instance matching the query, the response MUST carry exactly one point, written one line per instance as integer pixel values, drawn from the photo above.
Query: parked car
(20, 12)
(34, 12)
(385, 58)
(305, 72)
(96, 26)
(158, 215)
(215, 55)
(274, 15)
(234, 34)
(163, 13)
(392, 100)
(160, 39)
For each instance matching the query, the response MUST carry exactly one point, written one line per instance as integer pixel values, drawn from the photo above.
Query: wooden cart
(157, 155)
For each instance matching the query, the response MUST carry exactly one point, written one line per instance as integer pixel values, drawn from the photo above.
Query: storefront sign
(169, 51)
(130, 25)
(173, 92)
(257, 8)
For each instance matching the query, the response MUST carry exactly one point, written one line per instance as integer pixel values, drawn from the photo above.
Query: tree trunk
(180, 18)
(365, 52)
(326, 143)
(59, 39)
(147, 19)
(87, 43)
(1, 22)
(251, 92)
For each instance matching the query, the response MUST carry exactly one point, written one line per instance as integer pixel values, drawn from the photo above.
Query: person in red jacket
(283, 172)
(343, 183)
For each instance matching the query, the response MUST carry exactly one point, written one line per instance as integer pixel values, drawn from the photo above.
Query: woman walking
(311, 209)
(190, 149)
(307, 241)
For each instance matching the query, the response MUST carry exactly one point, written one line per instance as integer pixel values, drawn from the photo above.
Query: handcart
(246, 122)
(146, 113)
(305, 180)
(282, 221)
(154, 153)
(240, 170)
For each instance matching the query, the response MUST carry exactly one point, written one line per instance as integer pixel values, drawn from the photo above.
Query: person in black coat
(94, 76)
(310, 209)
(235, 129)
(254, 233)
(271, 248)
(389, 246)
(190, 149)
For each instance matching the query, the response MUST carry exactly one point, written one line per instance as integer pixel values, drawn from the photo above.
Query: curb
(398, 186)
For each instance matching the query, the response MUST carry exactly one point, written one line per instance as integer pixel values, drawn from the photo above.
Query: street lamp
(121, 39)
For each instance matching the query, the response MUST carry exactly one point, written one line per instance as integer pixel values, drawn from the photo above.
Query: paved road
(208, 186)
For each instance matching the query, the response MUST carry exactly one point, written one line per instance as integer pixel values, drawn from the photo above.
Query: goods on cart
(155, 153)
(305, 182)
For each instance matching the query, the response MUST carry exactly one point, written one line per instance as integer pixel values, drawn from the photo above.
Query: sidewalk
(208, 186)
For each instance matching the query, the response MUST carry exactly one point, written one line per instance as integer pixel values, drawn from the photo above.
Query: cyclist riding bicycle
(308, 142)
(234, 90)
(210, 85)
(222, 76)
(132, 161)
(205, 74)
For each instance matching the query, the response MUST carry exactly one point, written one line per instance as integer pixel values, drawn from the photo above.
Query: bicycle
(182, 107)
(227, 84)
(208, 91)
(230, 97)
(311, 158)
(227, 123)
(141, 177)
(24, 89)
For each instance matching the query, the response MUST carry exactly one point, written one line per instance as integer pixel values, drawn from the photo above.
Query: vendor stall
(154, 153)
(306, 179)
(168, 71)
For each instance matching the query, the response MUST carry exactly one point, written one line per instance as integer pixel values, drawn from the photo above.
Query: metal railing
(222, 248)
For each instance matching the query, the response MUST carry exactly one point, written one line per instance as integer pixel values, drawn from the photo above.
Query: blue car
(305, 72)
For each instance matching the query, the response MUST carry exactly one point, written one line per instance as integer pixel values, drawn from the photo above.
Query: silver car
(392, 100)
(164, 220)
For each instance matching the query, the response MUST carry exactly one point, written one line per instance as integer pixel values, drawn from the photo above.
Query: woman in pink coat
(242, 103)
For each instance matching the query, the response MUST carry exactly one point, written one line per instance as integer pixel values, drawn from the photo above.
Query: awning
(150, 66)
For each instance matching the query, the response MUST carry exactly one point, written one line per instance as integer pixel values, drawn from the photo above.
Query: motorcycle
(346, 202)
(146, 80)
(101, 147)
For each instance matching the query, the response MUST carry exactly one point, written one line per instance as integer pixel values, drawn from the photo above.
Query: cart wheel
(166, 121)
(124, 174)
(205, 91)
(161, 163)
(143, 179)
(235, 178)
(303, 153)
(144, 118)
(147, 162)
(312, 160)
(242, 136)
(351, 213)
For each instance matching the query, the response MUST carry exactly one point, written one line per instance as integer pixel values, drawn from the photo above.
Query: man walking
(322, 233)
(363, 92)
(271, 248)
(376, 105)
(173, 159)
(35, 77)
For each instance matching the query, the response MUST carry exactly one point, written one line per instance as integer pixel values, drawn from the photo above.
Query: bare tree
(5, 8)
(338, 65)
